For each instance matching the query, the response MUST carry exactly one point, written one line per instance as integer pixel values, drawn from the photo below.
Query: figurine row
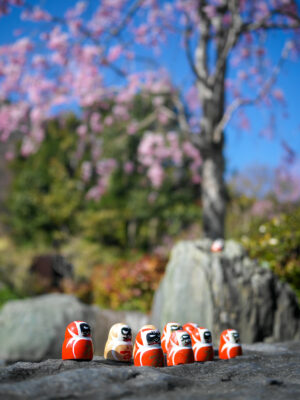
(178, 344)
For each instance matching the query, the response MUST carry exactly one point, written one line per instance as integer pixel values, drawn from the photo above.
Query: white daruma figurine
(180, 349)
(230, 346)
(202, 344)
(168, 329)
(119, 345)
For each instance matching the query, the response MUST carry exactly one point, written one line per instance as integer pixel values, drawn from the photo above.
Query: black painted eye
(207, 337)
(186, 339)
(126, 332)
(153, 337)
(85, 329)
(175, 328)
(236, 337)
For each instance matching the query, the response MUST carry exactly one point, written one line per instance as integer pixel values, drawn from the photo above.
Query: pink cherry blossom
(156, 175)
(114, 53)
(88, 59)
(28, 147)
(86, 171)
(278, 95)
(262, 208)
(82, 130)
(36, 14)
(128, 167)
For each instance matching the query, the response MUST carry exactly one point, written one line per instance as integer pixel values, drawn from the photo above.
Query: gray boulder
(226, 290)
(33, 329)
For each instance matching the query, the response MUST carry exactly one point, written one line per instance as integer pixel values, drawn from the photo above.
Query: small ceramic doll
(78, 343)
(168, 329)
(230, 346)
(180, 349)
(150, 327)
(147, 349)
(119, 345)
(217, 246)
(189, 327)
(144, 327)
(202, 344)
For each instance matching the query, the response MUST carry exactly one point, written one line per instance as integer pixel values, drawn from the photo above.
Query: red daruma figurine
(147, 349)
(230, 346)
(78, 343)
(180, 349)
(202, 344)
(189, 327)
(168, 329)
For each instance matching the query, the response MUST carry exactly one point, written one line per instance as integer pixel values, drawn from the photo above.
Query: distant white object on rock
(217, 246)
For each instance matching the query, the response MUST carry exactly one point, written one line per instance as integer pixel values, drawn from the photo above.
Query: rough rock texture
(34, 329)
(265, 371)
(226, 290)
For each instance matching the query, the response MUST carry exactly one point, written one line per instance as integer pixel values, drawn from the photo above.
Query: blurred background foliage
(119, 245)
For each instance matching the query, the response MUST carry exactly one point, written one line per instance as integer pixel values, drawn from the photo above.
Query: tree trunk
(213, 186)
(213, 192)
(211, 91)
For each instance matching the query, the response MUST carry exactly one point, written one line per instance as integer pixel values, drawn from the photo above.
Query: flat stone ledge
(264, 371)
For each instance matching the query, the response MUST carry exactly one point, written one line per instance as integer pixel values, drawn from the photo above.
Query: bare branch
(189, 54)
(145, 123)
(239, 102)
(182, 117)
(131, 12)
(202, 47)
(266, 23)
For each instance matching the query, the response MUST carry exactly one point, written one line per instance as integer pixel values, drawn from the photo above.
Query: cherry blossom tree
(110, 53)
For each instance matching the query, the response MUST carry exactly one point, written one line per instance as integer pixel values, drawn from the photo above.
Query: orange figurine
(147, 349)
(168, 329)
(230, 346)
(78, 343)
(180, 349)
(202, 344)
(189, 327)
(119, 346)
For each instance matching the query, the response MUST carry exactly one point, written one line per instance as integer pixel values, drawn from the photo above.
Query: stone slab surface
(265, 371)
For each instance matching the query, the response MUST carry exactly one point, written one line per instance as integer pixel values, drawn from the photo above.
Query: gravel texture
(265, 371)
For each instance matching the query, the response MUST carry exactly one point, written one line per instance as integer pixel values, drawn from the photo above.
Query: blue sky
(242, 148)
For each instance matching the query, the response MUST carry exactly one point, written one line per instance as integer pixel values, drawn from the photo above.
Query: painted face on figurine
(147, 349)
(230, 346)
(78, 343)
(153, 338)
(202, 344)
(168, 329)
(119, 346)
(126, 334)
(180, 349)
(149, 326)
